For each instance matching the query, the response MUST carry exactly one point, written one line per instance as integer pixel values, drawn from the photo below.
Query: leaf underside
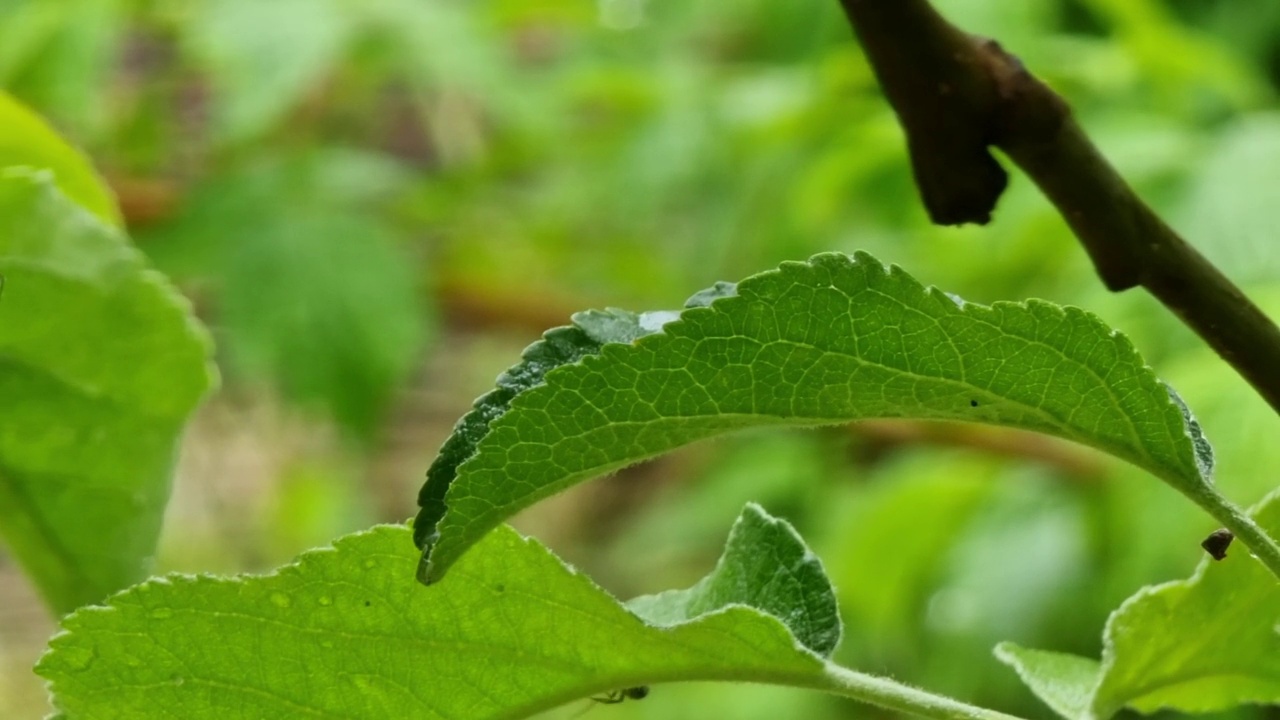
(834, 339)
(1205, 644)
(341, 633)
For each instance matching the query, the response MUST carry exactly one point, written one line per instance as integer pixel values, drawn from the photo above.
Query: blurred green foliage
(375, 203)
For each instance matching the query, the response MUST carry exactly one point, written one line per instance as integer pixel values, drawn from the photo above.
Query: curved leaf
(100, 364)
(558, 347)
(342, 634)
(765, 566)
(835, 339)
(1205, 644)
(26, 140)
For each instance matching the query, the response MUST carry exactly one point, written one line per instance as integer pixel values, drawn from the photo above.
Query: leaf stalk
(893, 695)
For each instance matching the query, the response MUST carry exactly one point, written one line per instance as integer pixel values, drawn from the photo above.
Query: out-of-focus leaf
(307, 640)
(452, 61)
(316, 295)
(835, 339)
(64, 69)
(100, 364)
(325, 304)
(1230, 210)
(24, 28)
(1204, 644)
(893, 543)
(264, 57)
(680, 527)
(1177, 58)
(26, 140)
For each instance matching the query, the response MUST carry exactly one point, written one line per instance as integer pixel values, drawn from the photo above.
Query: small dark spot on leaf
(499, 587)
(973, 403)
(1217, 543)
(367, 603)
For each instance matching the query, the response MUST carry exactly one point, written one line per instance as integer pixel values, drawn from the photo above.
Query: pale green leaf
(1063, 681)
(835, 339)
(100, 364)
(26, 140)
(345, 632)
(1204, 644)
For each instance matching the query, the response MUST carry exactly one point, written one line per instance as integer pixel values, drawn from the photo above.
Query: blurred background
(376, 204)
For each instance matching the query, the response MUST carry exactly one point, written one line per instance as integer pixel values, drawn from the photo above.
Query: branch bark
(956, 95)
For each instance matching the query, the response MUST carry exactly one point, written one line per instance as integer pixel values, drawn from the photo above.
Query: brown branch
(956, 95)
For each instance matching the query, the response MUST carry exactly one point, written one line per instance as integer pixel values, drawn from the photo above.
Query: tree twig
(956, 95)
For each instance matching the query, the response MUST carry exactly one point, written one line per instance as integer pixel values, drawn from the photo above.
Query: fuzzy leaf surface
(100, 364)
(344, 632)
(1205, 644)
(834, 339)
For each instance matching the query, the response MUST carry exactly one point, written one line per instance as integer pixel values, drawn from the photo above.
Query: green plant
(504, 628)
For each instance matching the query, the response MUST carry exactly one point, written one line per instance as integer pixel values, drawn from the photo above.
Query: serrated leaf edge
(430, 570)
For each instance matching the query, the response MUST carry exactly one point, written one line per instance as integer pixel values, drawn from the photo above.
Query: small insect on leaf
(1217, 543)
(614, 697)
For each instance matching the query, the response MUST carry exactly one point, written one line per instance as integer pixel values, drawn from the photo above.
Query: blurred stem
(956, 95)
(886, 693)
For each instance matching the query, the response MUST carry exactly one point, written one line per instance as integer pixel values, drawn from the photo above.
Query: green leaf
(318, 296)
(344, 632)
(66, 61)
(100, 364)
(1063, 681)
(766, 566)
(558, 347)
(835, 339)
(1204, 644)
(27, 140)
(1226, 207)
